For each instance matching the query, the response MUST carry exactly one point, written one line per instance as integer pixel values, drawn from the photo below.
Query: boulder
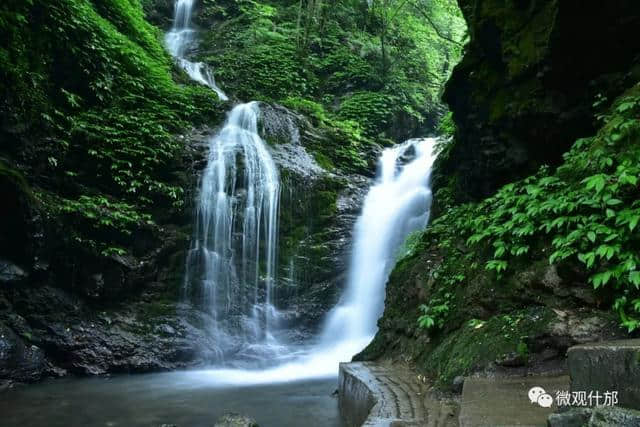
(576, 417)
(11, 273)
(19, 361)
(235, 420)
(595, 417)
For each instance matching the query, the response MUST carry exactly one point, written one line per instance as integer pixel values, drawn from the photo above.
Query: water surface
(186, 399)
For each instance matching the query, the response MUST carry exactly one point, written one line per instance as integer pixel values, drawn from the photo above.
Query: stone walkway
(381, 395)
(505, 401)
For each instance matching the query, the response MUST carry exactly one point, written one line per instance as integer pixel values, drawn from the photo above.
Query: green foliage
(346, 141)
(410, 246)
(331, 53)
(447, 127)
(91, 82)
(372, 110)
(434, 314)
(586, 212)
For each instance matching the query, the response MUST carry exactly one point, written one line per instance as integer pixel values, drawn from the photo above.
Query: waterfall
(396, 205)
(232, 262)
(180, 38)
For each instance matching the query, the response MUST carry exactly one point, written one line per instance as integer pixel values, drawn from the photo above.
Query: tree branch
(434, 26)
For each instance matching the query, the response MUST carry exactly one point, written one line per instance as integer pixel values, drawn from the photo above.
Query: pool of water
(186, 399)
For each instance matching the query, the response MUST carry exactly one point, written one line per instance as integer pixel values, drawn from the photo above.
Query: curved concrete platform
(371, 394)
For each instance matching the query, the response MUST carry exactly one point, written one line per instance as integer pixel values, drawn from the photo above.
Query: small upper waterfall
(180, 38)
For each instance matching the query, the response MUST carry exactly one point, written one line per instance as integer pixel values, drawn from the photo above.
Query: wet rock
(511, 360)
(576, 417)
(606, 367)
(457, 384)
(11, 273)
(235, 420)
(19, 361)
(278, 124)
(80, 340)
(615, 416)
(595, 417)
(573, 327)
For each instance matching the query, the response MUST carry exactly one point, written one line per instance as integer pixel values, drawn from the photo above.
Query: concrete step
(372, 394)
(499, 402)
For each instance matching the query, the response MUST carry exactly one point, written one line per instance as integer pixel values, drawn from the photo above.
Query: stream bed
(186, 399)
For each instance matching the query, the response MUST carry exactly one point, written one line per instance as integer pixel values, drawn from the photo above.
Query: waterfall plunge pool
(184, 399)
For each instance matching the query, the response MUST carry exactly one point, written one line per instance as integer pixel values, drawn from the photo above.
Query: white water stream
(180, 39)
(232, 262)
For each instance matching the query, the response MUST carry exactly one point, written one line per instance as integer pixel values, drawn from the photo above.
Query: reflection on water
(186, 399)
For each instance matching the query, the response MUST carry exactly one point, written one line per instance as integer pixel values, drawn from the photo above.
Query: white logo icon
(539, 396)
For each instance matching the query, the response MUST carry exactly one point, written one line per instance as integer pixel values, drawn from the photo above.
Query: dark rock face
(159, 12)
(607, 366)
(317, 213)
(19, 361)
(47, 331)
(524, 90)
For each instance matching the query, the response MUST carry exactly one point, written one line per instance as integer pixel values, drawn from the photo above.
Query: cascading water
(231, 264)
(180, 39)
(397, 204)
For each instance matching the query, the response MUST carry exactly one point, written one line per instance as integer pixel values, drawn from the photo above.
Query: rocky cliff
(530, 83)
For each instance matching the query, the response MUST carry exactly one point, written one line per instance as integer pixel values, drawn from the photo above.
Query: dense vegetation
(90, 109)
(585, 213)
(537, 203)
(533, 244)
(91, 102)
(366, 72)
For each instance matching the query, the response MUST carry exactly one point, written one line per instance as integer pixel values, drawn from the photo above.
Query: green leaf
(634, 278)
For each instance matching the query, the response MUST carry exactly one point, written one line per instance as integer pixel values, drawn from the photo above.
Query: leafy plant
(434, 314)
(586, 212)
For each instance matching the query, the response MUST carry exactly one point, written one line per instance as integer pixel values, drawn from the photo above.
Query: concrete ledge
(371, 394)
(607, 366)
